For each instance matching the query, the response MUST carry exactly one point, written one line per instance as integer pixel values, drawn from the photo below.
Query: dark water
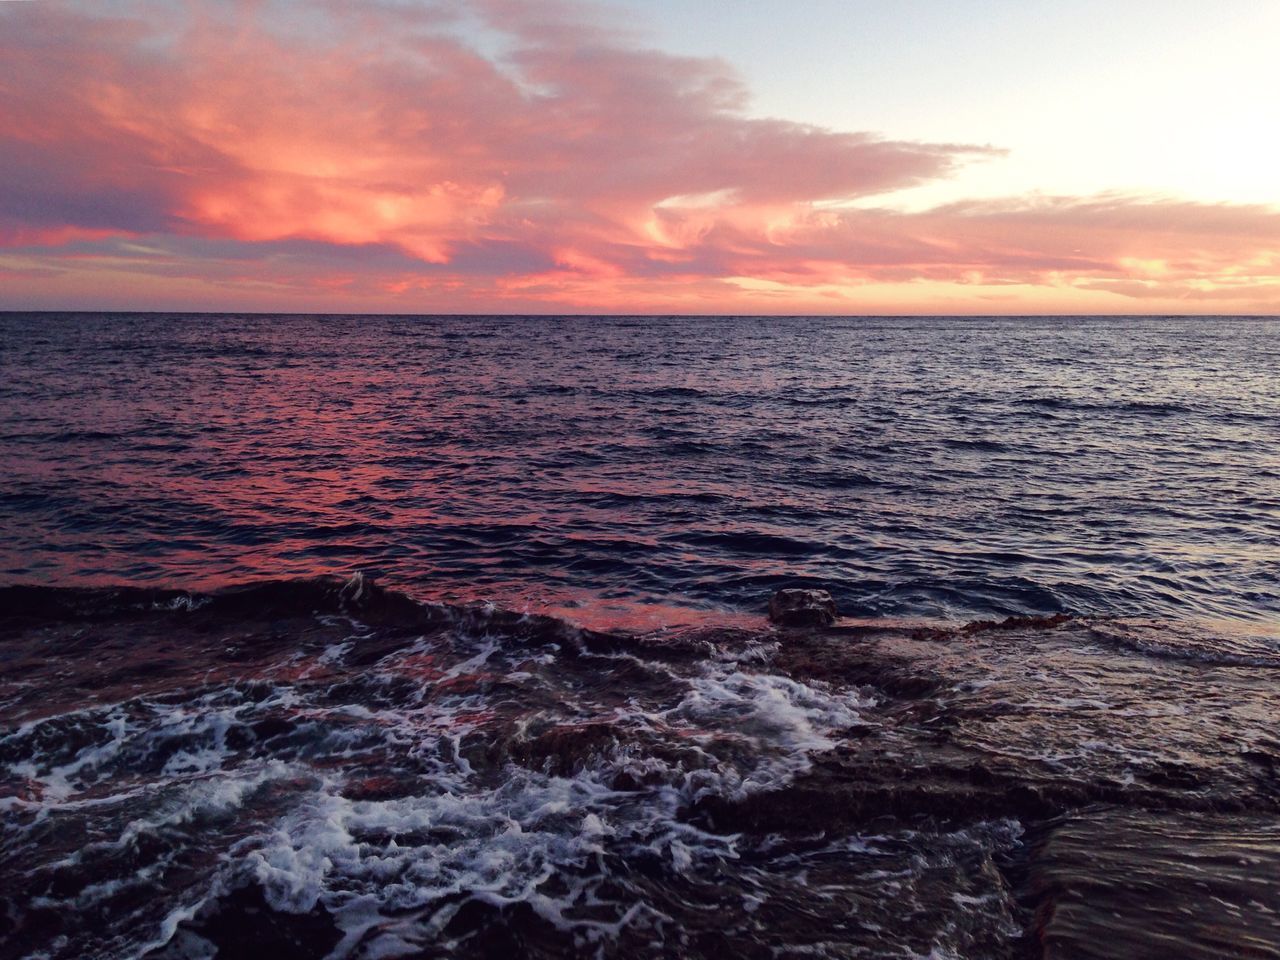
(206, 751)
(915, 467)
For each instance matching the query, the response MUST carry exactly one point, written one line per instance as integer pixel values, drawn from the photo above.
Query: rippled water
(309, 768)
(924, 467)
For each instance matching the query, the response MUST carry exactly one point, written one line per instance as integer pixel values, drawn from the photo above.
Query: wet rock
(1017, 623)
(1115, 883)
(242, 924)
(802, 608)
(378, 787)
(516, 930)
(565, 749)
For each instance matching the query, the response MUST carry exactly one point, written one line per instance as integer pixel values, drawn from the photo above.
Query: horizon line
(670, 316)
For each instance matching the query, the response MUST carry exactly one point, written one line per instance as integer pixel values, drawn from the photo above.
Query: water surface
(210, 750)
(936, 467)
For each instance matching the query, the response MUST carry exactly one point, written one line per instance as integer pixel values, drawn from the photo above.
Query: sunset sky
(680, 156)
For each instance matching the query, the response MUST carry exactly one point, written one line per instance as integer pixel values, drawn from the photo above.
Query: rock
(1017, 623)
(241, 923)
(802, 608)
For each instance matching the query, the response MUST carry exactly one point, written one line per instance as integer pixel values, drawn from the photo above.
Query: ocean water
(360, 637)
(922, 467)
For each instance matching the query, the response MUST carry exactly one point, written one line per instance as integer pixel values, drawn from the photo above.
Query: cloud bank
(502, 155)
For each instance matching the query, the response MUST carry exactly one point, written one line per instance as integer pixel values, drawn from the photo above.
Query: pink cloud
(578, 168)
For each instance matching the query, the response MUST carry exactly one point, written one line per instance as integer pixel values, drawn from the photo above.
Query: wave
(1145, 407)
(1166, 640)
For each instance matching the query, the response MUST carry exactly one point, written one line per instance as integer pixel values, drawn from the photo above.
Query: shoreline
(993, 767)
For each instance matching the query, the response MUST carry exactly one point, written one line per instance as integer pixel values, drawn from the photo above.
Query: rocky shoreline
(1128, 796)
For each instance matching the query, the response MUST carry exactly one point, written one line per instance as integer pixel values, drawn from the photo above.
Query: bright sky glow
(1148, 96)
(835, 156)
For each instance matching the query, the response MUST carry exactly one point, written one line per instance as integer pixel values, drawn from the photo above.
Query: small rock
(802, 608)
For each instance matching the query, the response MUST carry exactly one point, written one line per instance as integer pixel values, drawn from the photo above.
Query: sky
(641, 156)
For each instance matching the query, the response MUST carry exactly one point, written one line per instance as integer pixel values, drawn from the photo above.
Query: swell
(297, 597)
(357, 600)
(1139, 407)
(361, 599)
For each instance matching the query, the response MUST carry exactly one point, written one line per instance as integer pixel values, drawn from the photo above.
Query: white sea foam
(495, 834)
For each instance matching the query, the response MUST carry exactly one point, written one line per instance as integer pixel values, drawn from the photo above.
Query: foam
(495, 834)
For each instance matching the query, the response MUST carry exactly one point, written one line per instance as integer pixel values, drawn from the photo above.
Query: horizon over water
(360, 637)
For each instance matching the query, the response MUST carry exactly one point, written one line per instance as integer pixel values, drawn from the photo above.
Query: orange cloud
(374, 153)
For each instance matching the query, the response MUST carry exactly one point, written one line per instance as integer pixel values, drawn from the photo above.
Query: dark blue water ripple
(935, 467)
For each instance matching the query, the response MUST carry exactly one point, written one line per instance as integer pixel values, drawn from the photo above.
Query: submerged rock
(802, 608)
(243, 923)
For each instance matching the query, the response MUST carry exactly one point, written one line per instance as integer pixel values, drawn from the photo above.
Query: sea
(447, 636)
